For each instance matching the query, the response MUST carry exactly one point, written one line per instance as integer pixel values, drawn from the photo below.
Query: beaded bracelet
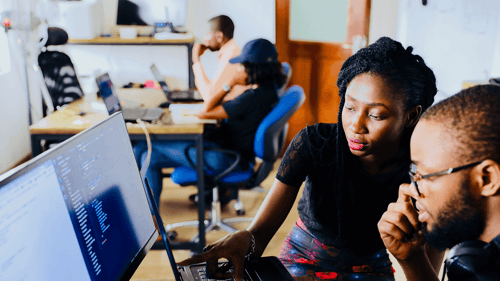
(252, 248)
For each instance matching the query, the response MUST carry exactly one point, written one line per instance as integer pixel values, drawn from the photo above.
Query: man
(455, 206)
(219, 38)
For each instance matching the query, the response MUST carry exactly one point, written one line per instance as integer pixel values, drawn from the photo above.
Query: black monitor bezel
(22, 169)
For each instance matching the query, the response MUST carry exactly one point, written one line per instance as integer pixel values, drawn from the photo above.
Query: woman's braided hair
(406, 73)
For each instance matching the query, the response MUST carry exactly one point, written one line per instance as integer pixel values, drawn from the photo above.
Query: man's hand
(198, 50)
(233, 247)
(399, 227)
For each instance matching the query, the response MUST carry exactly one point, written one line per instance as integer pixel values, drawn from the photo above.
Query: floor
(176, 207)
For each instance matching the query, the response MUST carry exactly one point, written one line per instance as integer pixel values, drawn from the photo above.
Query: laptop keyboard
(144, 113)
(201, 272)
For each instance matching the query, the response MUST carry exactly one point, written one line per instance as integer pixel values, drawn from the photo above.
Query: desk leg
(36, 146)
(190, 66)
(201, 192)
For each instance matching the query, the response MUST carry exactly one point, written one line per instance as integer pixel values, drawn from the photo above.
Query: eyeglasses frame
(441, 173)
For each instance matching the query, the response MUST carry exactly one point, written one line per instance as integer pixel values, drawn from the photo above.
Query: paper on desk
(169, 35)
(183, 113)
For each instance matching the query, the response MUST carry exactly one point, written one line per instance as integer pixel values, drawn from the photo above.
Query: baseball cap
(257, 51)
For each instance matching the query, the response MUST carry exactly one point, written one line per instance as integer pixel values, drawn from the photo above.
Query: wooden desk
(143, 40)
(63, 124)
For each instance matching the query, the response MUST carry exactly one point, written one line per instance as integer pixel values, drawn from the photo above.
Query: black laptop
(175, 96)
(113, 105)
(256, 269)
(79, 211)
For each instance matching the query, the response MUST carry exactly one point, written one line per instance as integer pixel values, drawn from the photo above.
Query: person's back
(455, 177)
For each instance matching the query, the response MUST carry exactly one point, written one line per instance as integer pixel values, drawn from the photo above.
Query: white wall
(383, 19)
(459, 40)
(15, 139)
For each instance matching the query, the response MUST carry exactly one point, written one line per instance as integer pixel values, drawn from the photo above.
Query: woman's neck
(375, 164)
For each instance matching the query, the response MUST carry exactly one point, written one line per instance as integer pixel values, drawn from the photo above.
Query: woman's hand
(233, 247)
(400, 229)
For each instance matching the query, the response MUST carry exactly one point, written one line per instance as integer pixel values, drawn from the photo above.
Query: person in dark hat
(259, 75)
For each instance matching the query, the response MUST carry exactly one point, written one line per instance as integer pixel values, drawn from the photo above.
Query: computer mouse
(164, 104)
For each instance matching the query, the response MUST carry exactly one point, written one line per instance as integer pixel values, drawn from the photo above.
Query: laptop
(256, 269)
(113, 104)
(79, 211)
(175, 96)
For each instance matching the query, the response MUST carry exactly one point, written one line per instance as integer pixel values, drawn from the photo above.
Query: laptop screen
(76, 212)
(160, 79)
(108, 93)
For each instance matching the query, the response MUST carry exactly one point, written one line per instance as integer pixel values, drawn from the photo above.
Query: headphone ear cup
(467, 258)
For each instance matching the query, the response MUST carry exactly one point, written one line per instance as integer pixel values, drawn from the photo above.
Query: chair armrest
(226, 151)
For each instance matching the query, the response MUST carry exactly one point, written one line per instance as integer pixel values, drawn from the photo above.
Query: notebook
(113, 104)
(79, 211)
(256, 269)
(185, 113)
(175, 96)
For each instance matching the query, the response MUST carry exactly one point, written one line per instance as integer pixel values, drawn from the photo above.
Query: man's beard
(459, 221)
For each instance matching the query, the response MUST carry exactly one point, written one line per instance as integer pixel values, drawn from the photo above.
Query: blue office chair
(268, 144)
(287, 70)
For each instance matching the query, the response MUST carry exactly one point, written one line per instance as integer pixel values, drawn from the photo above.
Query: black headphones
(474, 260)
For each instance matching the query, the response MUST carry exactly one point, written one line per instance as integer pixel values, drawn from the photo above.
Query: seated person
(258, 72)
(352, 170)
(458, 207)
(219, 38)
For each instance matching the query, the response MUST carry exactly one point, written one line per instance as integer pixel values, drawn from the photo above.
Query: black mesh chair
(59, 75)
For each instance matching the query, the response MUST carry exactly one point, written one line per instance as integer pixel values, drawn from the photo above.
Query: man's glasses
(416, 176)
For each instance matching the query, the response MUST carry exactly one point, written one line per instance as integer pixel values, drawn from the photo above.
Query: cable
(145, 166)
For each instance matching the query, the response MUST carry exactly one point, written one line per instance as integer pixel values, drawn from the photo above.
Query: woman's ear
(413, 115)
(487, 176)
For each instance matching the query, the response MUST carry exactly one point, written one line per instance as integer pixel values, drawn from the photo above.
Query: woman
(352, 171)
(255, 85)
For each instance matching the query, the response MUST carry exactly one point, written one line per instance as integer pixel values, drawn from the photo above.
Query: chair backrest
(60, 77)
(287, 70)
(271, 133)
(266, 144)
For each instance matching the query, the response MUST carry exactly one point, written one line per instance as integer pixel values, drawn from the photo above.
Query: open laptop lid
(161, 81)
(108, 93)
(163, 232)
(76, 212)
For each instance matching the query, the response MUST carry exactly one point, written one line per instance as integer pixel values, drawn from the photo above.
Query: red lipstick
(355, 144)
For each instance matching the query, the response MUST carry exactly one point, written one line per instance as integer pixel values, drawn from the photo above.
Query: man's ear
(413, 115)
(219, 36)
(487, 175)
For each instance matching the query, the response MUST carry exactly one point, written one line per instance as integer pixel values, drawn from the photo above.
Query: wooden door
(315, 65)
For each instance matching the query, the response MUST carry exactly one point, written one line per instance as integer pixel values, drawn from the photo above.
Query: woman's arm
(272, 213)
(235, 246)
(217, 112)
(217, 94)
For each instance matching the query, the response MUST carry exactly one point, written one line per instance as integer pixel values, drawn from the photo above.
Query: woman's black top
(311, 157)
(245, 113)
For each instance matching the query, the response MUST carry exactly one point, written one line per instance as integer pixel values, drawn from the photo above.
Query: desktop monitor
(149, 12)
(76, 212)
